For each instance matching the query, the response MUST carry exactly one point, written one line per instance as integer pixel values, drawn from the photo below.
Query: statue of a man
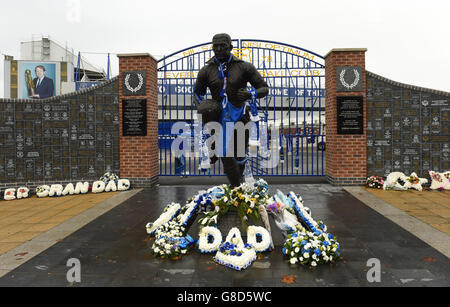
(226, 77)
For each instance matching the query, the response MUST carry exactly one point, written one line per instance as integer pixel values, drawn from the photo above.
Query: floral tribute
(375, 182)
(401, 182)
(440, 181)
(305, 237)
(109, 182)
(233, 253)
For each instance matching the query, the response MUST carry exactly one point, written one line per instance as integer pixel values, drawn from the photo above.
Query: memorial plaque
(350, 112)
(134, 117)
(133, 83)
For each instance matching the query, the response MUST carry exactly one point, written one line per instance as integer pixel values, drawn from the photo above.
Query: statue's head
(222, 46)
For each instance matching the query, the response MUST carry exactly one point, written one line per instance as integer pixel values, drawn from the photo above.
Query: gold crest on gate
(244, 54)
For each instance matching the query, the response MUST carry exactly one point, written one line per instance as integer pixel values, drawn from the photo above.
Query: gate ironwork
(295, 105)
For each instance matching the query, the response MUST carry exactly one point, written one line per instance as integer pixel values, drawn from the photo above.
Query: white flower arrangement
(10, 194)
(308, 248)
(55, 190)
(400, 182)
(169, 213)
(414, 182)
(234, 236)
(395, 181)
(440, 181)
(257, 231)
(303, 212)
(43, 190)
(188, 212)
(170, 241)
(235, 258)
(234, 253)
(108, 176)
(205, 234)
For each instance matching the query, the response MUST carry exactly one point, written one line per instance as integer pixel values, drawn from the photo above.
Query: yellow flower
(235, 203)
(249, 211)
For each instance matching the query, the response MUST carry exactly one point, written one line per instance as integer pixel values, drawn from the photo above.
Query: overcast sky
(407, 40)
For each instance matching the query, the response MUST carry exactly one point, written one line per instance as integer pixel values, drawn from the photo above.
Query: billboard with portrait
(38, 80)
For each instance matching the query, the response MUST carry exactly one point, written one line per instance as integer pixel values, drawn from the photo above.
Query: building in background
(68, 71)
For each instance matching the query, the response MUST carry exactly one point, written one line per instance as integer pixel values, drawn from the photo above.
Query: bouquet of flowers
(284, 216)
(245, 199)
(311, 249)
(375, 182)
(170, 241)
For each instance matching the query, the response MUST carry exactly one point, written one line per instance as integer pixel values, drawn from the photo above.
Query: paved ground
(113, 249)
(25, 219)
(431, 207)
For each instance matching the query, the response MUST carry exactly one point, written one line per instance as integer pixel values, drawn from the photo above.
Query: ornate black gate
(295, 105)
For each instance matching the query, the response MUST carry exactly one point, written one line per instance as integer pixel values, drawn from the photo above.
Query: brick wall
(139, 154)
(345, 154)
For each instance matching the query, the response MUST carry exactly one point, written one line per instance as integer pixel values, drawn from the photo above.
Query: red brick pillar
(138, 144)
(345, 80)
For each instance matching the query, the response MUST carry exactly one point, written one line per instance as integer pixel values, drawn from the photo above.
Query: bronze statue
(226, 77)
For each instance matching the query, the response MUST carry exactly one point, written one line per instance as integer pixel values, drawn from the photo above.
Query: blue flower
(325, 243)
(284, 250)
(233, 253)
(330, 236)
(317, 252)
(295, 235)
(303, 242)
(317, 232)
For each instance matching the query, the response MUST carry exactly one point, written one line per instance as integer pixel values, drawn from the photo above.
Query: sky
(406, 40)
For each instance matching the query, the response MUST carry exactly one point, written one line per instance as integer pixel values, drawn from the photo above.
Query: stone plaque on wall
(133, 83)
(350, 115)
(134, 117)
(349, 79)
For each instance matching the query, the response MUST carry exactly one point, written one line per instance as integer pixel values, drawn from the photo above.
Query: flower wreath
(399, 181)
(395, 181)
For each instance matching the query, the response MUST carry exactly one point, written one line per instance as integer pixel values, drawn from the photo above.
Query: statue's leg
(210, 111)
(232, 171)
(241, 160)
